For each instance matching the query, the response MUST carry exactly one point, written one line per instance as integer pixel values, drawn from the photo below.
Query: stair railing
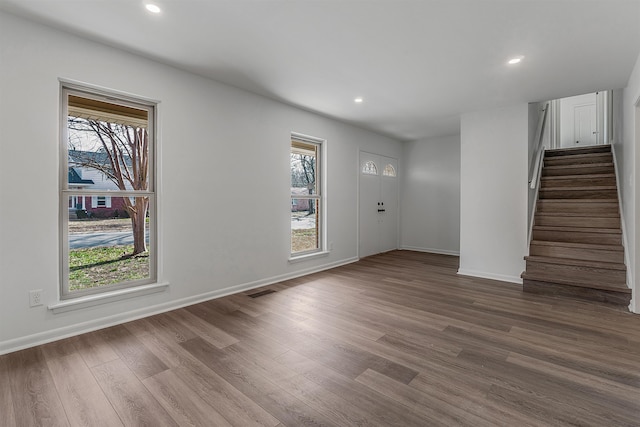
(534, 181)
(542, 123)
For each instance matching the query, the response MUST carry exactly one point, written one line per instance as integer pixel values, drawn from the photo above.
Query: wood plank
(6, 400)
(249, 381)
(84, 402)
(337, 351)
(179, 401)
(129, 397)
(94, 349)
(384, 409)
(60, 348)
(577, 169)
(552, 152)
(141, 361)
(322, 400)
(206, 384)
(432, 408)
(617, 296)
(531, 387)
(624, 394)
(178, 331)
(205, 330)
(35, 398)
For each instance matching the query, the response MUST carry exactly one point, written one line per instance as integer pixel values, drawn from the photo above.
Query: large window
(107, 194)
(306, 196)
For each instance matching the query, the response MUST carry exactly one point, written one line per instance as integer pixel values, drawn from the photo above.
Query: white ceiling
(418, 64)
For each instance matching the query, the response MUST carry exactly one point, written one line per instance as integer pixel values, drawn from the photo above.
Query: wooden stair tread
(577, 155)
(577, 262)
(569, 177)
(580, 165)
(560, 228)
(554, 152)
(585, 187)
(539, 277)
(553, 201)
(612, 248)
(580, 214)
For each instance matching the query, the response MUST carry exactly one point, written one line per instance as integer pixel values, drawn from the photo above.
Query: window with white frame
(306, 196)
(107, 192)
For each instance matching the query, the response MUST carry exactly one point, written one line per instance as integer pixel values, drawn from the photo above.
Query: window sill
(307, 257)
(107, 297)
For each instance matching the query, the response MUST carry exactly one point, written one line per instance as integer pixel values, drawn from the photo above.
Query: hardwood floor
(397, 339)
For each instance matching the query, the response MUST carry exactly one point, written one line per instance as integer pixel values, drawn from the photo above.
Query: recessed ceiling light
(515, 60)
(358, 100)
(152, 8)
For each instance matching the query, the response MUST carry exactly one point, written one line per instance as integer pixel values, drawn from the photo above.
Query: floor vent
(261, 293)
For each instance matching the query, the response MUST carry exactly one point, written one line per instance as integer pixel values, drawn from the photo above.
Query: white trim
(108, 92)
(625, 244)
(307, 256)
(105, 322)
(634, 306)
(429, 250)
(492, 276)
(307, 138)
(321, 187)
(106, 297)
(109, 193)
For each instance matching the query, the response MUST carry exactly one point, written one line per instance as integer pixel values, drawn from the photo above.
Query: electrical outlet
(330, 246)
(35, 298)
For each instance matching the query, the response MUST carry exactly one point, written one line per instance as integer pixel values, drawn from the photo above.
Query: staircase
(576, 247)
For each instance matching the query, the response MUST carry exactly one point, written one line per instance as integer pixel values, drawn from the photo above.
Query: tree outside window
(306, 194)
(109, 193)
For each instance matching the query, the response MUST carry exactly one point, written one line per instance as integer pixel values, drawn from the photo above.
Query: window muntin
(107, 193)
(306, 196)
(369, 168)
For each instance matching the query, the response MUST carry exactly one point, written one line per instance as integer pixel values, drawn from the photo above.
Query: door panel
(584, 122)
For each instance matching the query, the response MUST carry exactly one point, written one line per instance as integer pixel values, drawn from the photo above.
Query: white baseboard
(492, 276)
(430, 250)
(45, 337)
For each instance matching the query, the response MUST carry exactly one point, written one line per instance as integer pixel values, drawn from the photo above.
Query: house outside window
(107, 192)
(307, 203)
(101, 202)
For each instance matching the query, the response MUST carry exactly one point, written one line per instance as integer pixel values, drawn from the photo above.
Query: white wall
(628, 162)
(430, 211)
(208, 247)
(493, 195)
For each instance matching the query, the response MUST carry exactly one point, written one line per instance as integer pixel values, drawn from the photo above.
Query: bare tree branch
(121, 153)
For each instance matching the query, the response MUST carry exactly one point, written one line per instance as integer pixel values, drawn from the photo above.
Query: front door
(378, 204)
